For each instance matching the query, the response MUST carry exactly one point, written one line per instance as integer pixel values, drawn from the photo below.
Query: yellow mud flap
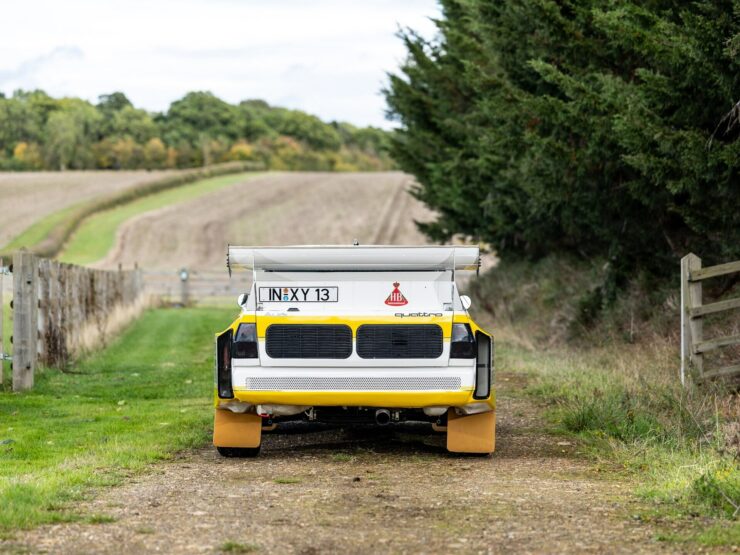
(471, 434)
(231, 429)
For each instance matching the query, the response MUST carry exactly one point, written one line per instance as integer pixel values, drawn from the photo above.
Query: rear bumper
(381, 399)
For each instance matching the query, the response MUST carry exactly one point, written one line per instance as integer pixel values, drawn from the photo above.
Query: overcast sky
(328, 57)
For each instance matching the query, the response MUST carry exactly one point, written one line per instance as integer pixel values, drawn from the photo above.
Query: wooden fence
(55, 304)
(693, 343)
(191, 286)
(3, 271)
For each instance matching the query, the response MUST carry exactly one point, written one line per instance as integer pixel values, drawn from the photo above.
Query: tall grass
(615, 384)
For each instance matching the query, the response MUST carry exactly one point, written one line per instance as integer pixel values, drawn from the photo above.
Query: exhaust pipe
(382, 417)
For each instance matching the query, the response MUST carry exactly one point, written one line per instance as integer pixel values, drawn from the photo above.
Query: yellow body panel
(384, 399)
(353, 321)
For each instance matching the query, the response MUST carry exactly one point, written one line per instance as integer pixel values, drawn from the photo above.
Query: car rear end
(355, 335)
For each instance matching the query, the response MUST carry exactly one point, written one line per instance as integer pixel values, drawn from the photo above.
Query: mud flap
(232, 429)
(471, 434)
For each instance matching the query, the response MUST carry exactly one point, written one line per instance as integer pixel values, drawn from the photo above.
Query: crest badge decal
(396, 298)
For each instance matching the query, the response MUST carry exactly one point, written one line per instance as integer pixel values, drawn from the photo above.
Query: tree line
(40, 132)
(600, 129)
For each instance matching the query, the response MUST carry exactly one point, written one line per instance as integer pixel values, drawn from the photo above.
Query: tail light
(483, 366)
(245, 342)
(462, 344)
(223, 365)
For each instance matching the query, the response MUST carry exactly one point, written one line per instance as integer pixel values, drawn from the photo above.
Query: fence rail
(193, 285)
(56, 307)
(693, 344)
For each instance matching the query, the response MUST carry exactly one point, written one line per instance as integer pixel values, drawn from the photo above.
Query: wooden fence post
(2, 315)
(25, 320)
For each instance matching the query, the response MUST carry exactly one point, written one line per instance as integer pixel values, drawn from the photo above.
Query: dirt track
(387, 491)
(273, 209)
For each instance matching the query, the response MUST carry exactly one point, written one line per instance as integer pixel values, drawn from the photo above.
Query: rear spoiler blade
(374, 258)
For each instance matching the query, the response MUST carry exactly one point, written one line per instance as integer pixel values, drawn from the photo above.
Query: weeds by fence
(693, 343)
(61, 309)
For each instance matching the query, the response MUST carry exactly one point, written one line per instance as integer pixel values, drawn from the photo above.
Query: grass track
(97, 234)
(41, 229)
(143, 398)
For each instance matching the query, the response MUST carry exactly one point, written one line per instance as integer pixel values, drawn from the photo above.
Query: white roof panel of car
(354, 258)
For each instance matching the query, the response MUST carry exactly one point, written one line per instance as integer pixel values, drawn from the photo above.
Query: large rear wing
(375, 258)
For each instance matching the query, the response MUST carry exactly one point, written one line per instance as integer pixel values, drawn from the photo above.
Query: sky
(328, 57)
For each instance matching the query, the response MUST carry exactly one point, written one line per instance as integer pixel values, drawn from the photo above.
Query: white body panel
(358, 293)
(398, 285)
(355, 258)
(245, 377)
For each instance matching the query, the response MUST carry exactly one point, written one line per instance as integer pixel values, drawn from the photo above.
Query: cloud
(26, 73)
(328, 57)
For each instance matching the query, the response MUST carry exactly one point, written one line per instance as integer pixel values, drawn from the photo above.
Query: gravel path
(391, 490)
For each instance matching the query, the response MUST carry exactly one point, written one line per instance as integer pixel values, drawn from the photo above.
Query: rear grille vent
(360, 383)
(308, 341)
(399, 341)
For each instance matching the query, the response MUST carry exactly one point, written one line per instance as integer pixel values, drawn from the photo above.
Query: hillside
(272, 209)
(190, 224)
(27, 198)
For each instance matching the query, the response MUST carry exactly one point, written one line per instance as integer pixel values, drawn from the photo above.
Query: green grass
(608, 377)
(100, 519)
(630, 414)
(38, 231)
(236, 547)
(97, 233)
(287, 480)
(143, 398)
(7, 332)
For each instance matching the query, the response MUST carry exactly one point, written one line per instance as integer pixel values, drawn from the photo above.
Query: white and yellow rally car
(354, 334)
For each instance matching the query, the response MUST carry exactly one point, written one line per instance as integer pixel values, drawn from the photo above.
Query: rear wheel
(238, 452)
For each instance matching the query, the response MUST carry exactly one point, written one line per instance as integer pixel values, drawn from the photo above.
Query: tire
(238, 452)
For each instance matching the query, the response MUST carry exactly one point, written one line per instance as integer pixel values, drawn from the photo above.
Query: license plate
(298, 294)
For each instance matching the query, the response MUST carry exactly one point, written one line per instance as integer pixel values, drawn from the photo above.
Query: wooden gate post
(691, 327)
(25, 319)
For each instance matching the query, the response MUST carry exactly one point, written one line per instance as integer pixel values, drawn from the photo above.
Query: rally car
(354, 335)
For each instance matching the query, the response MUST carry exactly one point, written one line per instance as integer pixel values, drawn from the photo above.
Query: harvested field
(27, 198)
(273, 209)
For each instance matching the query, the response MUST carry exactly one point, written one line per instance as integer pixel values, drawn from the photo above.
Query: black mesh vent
(308, 341)
(399, 341)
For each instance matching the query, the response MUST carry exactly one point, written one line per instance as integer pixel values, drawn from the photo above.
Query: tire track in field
(401, 211)
(274, 209)
(392, 214)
